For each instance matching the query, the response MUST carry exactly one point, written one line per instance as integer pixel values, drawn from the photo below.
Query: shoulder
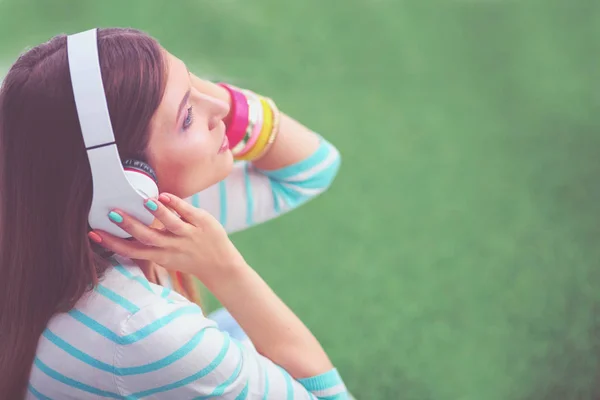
(171, 346)
(123, 329)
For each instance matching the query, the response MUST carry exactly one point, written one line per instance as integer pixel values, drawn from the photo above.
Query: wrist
(253, 123)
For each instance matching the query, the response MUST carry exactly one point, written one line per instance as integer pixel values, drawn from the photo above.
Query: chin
(228, 156)
(196, 182)
(223, 166)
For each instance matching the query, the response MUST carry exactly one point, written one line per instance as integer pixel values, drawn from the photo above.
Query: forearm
(274, 329)
(294, 142)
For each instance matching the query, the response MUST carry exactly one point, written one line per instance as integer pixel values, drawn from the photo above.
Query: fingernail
(164, 198)
(152, 206)
(94, 237)
(115, 217)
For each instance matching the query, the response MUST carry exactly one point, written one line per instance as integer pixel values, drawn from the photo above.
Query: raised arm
(299, 166)
(195, 358)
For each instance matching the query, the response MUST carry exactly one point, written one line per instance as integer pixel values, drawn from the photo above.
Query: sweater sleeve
(250, 196)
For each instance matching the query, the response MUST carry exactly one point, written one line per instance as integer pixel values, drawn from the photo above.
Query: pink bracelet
(257, 126)
(238, 116)
(253, 114)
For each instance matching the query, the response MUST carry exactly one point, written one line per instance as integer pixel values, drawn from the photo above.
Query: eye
(189, 118)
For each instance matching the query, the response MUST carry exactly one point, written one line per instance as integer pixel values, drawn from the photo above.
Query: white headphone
(116, 184)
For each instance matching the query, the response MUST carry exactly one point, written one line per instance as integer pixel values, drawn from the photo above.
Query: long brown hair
(46, 260)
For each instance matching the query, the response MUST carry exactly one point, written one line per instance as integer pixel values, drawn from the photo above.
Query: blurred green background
(457, 255)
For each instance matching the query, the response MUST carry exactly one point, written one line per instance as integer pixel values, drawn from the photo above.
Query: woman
(76, 322)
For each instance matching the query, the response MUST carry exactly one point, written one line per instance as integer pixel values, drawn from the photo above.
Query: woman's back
(129, 338)
(99, 348)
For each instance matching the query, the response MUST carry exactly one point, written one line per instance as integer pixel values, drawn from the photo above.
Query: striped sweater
(132, 339)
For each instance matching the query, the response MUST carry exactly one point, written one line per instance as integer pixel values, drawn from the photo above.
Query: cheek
(188, 165)
(187, 149)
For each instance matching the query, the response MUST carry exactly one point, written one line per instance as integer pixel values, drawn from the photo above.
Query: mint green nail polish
(115, 217)
(152, 206)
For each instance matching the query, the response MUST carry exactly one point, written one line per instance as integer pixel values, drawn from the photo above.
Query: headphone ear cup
(141, 177)
(142, 183)
(140, 166)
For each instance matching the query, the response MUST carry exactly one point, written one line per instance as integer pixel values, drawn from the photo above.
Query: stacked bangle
(238, 116)
(275, 129)
(253, 124)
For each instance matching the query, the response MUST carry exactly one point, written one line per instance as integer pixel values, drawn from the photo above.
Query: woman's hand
(193, 243)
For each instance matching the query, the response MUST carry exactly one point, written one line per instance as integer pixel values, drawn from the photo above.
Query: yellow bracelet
(265, 134)
(274, 130)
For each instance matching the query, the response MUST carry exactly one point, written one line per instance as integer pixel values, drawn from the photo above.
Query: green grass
(456, 256)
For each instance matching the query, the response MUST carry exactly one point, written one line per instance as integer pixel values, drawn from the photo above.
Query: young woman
(84, 314)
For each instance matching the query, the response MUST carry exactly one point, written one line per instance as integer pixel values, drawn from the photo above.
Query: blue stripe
(244, 393)
(219, 390)
(143, 281)
(166, 361)
(321, 179)
(292, 198)
(223, 202)
(288, 383)
(339, 396)
(78, 354)
(37, 394)
(138, 335)
(196, 200)
(276, 206)
(116, 298)
(322, 382)
(159, 323)
(315, 159)
(166, 291)
(94, 325)
(249, 197)
(142, 369)
(124, 271)
(266, 372)
(72, 382)
(203, 372)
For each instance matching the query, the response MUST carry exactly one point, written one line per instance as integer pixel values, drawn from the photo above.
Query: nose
(219, 109)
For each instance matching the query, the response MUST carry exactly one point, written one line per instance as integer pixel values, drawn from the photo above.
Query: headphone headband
(112, 186)
(88, 89)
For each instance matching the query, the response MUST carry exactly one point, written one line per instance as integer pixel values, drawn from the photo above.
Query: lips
(224, 145)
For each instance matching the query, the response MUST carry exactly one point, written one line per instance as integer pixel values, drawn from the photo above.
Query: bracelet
(254, 112)
(274, 130)
(264, 137)
(239, 116)
(253, 137)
